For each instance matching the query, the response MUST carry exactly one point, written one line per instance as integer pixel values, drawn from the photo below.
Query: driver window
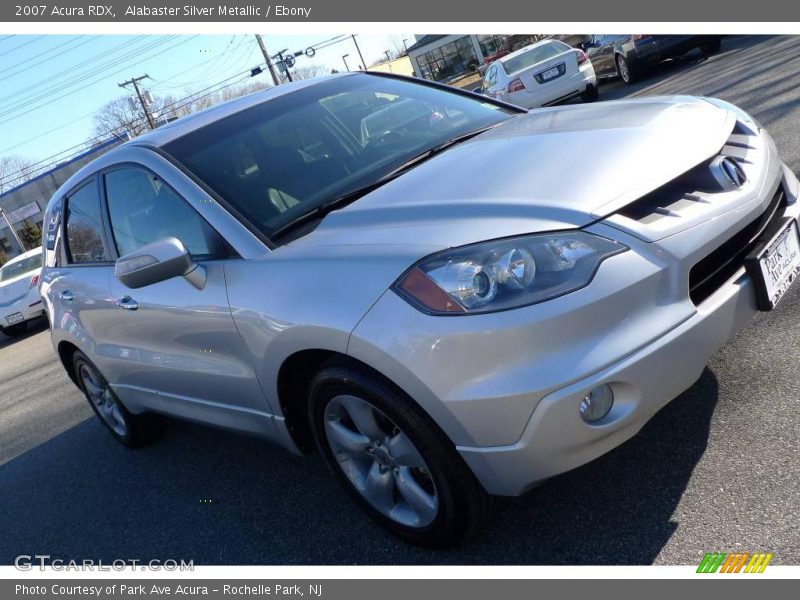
(143, 210)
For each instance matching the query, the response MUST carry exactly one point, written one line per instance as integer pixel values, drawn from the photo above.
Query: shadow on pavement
(218, 498)
(35, 326)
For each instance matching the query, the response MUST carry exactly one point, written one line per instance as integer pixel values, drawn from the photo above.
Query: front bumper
(556, 439)
(505, 387)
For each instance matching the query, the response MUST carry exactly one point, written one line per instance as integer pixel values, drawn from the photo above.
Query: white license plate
(778, 266)
(14, 318)
(549, 74)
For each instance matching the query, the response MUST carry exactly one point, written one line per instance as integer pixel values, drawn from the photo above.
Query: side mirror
(159, 261)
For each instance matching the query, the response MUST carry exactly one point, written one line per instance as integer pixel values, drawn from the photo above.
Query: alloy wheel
(380, 461)
(103, 399)
(624, 71)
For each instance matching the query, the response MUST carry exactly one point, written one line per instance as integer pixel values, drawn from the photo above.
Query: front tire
(128, 429)
(392, 459)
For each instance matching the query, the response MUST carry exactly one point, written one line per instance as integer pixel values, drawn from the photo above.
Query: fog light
(596, 404)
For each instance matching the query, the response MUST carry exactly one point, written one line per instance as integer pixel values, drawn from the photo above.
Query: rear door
(174, 348)
(77, 284)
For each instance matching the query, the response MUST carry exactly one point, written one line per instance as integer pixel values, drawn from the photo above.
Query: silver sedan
(449, 297)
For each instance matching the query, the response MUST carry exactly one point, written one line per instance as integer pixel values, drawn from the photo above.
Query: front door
(174, 348)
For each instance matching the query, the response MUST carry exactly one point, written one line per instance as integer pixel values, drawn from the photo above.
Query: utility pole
(12, 230)
(361, 56)
(275, 79)
(344, 59)
(386, 52)
(135, 81)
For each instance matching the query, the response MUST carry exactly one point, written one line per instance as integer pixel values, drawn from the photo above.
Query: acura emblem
(727, 173)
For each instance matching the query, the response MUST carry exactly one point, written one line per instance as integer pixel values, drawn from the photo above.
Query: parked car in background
(20, 301)
(629, 56)
(543, 73)
(441, 332)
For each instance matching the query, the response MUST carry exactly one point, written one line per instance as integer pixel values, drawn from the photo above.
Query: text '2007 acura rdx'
(447, 296)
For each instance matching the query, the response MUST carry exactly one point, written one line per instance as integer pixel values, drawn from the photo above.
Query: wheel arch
(296, 372)
(66, 350)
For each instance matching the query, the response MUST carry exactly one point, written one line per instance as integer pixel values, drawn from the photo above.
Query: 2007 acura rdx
(450, 297)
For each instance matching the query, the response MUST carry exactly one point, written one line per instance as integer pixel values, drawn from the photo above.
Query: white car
(20, 301)
(543, 73)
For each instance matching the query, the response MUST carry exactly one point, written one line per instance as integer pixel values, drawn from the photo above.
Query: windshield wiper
(437, 149)
(323, 209)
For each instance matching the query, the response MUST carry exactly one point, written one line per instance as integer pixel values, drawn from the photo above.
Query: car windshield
(20, 267)
(532, 56)
(283, 158)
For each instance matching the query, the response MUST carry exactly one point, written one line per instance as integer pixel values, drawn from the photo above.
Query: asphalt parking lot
(717, 469)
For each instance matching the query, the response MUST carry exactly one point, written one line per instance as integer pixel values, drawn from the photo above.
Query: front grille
(710, 273)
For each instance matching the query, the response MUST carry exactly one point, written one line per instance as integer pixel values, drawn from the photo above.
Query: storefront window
(448, 61)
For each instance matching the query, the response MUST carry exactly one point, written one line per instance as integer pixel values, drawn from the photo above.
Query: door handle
(127, 303)
(66, 296)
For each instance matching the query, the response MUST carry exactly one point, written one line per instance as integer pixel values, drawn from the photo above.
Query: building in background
(27, 201)
(448, 57)
(399, 66)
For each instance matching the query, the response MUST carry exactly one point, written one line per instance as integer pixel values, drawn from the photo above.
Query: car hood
(550, 169)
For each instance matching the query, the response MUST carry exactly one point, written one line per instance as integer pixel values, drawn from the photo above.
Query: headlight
(503, 274)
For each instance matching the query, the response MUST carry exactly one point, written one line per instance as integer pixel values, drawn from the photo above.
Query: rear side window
(15, 269)
(143, 209)
(84, 226)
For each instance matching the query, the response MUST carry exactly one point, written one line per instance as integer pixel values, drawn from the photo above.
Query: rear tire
(591, 94)
(627, 73)
(128, 429)
(448, 505)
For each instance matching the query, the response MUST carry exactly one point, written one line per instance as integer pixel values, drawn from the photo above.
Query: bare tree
(199, 100)
(310, 72)
(120, 115)
(398, 48)
(15, 170)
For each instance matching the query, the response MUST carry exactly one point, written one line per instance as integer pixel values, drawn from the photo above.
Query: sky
(50, 85)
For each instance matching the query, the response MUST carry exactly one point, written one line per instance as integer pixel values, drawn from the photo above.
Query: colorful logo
(743, 562)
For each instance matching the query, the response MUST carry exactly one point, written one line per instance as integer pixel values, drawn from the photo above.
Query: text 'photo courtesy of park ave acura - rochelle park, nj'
(382, 298)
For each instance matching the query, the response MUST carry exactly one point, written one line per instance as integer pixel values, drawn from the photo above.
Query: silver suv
(463, 302)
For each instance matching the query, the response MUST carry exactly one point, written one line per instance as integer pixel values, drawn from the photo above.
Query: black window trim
(227, 251)
(66, 256)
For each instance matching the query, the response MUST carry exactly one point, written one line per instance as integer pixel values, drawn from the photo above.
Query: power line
(46, 52)
(28, 43)
(224, 54)
(135, 82)
(75, 77)
(58, 158)
(86, 84)
(48, 132)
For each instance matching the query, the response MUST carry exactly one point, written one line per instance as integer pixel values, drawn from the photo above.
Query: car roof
(167, 133)
(23, 256)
